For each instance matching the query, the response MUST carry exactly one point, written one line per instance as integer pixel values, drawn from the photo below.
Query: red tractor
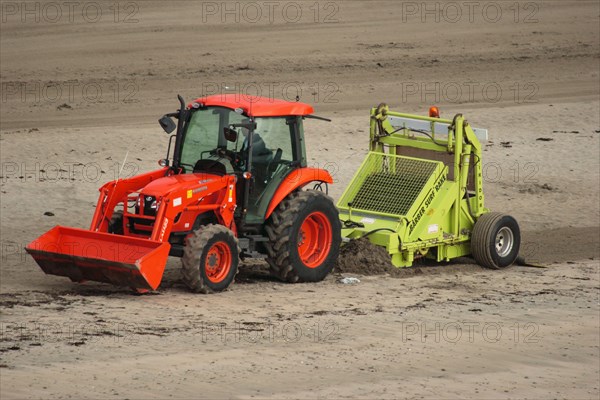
(232, 187)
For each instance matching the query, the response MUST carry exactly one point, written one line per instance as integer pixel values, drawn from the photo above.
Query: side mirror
(167, 124)
(230, 134)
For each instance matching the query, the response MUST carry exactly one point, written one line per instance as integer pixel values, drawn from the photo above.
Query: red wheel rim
(314, 239)
(218, 262)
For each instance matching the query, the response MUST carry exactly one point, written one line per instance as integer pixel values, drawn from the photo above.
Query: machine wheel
(304, 237)
(116, 223)
(210, 259)
(495, 240)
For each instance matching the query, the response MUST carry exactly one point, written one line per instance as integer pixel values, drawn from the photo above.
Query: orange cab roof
(254, 106)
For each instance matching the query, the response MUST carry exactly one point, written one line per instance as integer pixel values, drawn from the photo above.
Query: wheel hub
(213, 260)
(504, 241)
(301, 238)
(314, 239)
(218, 262)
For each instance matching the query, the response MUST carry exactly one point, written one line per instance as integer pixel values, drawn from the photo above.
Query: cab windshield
(204, 134)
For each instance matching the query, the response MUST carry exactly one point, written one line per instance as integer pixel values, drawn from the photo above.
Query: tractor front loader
(231, 187)
(419, 193)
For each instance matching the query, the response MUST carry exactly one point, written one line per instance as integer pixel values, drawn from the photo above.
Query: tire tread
(279, 231)
(482, 237)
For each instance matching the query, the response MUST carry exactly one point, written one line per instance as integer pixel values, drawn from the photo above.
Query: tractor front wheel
(495, 240)
(304, 237)
(210, 259)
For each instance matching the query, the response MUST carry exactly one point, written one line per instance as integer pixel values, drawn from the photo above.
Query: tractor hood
(167, 184)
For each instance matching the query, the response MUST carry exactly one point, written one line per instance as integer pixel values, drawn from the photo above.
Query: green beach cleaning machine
(419, 193)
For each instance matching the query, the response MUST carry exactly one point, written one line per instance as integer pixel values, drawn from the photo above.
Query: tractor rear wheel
(304, 237)
(210, 259)
(495, 240)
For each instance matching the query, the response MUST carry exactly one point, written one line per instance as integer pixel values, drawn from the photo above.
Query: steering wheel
(230, 155)
(220, 152)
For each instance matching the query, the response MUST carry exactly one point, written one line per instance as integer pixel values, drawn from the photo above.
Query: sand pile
(362, 257)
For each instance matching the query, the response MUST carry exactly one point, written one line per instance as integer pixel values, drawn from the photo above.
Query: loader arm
(115, 192)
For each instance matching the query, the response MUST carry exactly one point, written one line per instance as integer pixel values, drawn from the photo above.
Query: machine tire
(210, 244)
(495, 240)
(300, 226)
(115, 225)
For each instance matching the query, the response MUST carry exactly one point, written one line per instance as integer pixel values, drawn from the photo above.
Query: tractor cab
(260, 141)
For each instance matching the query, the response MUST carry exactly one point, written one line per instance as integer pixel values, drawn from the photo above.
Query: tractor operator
(260, 153)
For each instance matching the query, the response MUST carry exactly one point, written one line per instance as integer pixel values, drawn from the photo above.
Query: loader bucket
(83, 255)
